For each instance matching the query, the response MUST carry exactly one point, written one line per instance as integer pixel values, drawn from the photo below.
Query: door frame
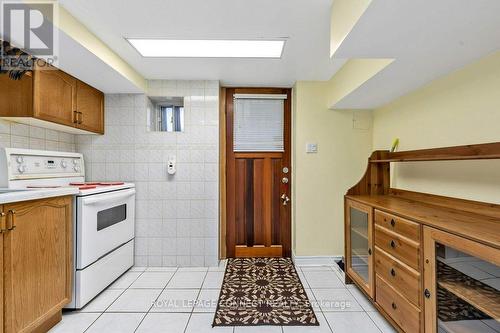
(225, 101)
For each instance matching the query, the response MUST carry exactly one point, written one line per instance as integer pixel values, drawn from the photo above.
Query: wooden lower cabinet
(393, 265)
(397, 306)
(37, 263)
(456, 268)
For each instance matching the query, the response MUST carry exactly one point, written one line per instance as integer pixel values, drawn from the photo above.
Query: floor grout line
(100, 315)
(197, 296)
(149, 310)
(190, 313)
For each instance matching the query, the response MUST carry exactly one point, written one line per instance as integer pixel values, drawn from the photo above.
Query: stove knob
(21, 169)
(20, 159)
(75, 162)
(76, 168)
(64, 164)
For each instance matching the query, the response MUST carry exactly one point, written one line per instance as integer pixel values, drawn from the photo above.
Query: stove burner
(86, 187)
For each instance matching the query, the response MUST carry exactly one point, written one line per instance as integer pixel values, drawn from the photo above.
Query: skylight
(184, 48)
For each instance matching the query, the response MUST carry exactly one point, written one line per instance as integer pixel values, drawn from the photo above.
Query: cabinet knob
(393, 272)
(427, 293)
(393, 223)
(393, 244)
(370, 251)
(394, 306)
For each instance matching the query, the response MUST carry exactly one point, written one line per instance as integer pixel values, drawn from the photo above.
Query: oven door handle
(108, 197)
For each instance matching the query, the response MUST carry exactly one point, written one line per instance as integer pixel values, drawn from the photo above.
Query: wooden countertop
(472, 225)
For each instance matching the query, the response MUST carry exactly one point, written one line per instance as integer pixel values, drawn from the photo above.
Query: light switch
(311, 148)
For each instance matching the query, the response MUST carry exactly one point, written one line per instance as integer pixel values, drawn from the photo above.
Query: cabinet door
(37, 262)
(461, 281)
(359, 240)
(90, 108)
(54, 96)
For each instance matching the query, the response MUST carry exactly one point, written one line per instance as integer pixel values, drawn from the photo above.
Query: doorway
(258, 172)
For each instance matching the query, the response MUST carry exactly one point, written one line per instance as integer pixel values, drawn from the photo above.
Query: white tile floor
(184, 300)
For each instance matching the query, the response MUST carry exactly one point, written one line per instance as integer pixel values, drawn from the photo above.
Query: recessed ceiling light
(206, 48)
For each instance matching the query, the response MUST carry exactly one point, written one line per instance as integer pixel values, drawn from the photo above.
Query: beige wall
(460, 108)
(320, 180)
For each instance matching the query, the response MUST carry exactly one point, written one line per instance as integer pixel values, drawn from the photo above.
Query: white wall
(458, 109)
(177, 216)
(15, 135)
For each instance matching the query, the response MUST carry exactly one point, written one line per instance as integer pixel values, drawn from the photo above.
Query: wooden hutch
(419, 257)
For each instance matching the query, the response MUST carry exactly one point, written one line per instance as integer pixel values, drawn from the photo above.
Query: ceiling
(81, 63)
(304, 24)
(427, 38)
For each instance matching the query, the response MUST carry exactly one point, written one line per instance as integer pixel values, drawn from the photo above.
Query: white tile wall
(176, 216)
(15, 135)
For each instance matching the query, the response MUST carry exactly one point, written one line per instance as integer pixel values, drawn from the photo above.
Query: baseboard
(315, 260)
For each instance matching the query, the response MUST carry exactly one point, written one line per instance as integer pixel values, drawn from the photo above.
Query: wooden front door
(258, 181)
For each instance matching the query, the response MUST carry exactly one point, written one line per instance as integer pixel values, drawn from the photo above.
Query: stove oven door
(104, 222)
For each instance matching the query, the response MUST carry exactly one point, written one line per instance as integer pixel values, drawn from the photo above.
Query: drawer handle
(12, 224)
(393, 244)
(394, 306)
(393, 223)
(3, 227)
(393, 272)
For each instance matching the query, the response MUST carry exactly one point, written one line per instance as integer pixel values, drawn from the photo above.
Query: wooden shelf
(362, 254)
(363, 232)
(475, 296)
(467, 152)
(478, 294)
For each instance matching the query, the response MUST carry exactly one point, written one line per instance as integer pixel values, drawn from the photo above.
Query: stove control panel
(24, 163)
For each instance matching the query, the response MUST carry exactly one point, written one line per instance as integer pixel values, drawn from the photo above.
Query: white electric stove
(104, 215)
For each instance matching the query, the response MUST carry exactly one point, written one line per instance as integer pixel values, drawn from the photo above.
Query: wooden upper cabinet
(37, 256)
(90, 108)
(54, 96)
(51, 96)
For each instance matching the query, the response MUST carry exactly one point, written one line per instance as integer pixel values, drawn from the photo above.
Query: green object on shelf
(395, 145)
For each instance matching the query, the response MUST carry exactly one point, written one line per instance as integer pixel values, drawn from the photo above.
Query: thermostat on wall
(311, 148)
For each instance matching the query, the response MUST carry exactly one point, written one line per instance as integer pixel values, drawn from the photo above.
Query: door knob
(284, 199)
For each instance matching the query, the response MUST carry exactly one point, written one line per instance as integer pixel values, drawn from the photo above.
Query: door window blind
(258, 125)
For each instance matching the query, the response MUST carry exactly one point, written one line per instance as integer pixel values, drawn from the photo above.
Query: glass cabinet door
(462, 286)
(359, 231)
